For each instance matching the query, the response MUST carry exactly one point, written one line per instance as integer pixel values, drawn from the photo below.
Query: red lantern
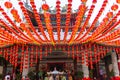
(84, 1)
(31, 0)
(94, 1)
(20, 3)
(69, 5)
(118, 1)
(8, 4)
(14, 11)
(45, 7)
(22, 25)
(109, 14)
(105, 19)
(69, 0)
(58, 2)
(18, 20)
(114, 7)
(1, 9)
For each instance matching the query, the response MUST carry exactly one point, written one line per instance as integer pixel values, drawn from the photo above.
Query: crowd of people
(56, 75)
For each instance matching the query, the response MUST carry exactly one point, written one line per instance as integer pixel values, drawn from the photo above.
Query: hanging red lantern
(58, 2)
(82, 58)
(8, 4)
(45, 7)
(69, 0)
(14, 11)
(20, 3)
(105, 19)
(18, 20)
(109, 14)
(69, 5)
(94, 1)
(118, 1)
(1, 9)
(22, 26)
(31, 0)
(84, 1)
(114, 7)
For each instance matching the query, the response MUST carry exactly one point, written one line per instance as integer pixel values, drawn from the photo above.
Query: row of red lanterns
(68, 16)
(37, 17)
(85, 51)
(35, 40)
(86, 22)
(12, 23)
(58, 18)
(94, 21)
(107, 29)
(48, 26)
(81, 11)
(14, 12)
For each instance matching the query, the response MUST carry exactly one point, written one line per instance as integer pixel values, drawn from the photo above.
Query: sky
(75, 5)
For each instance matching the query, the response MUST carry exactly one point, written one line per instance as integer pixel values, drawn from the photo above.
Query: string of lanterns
(33, 36)
(13, 37)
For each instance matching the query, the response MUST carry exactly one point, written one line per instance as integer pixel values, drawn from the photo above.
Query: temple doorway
(59, 66)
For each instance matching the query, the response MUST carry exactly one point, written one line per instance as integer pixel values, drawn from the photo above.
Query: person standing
(40, 74)
(50, 77)
(70, 77)
(63, 77)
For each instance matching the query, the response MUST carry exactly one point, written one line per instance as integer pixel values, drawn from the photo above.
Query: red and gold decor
(45, 7)
(118, 1)
(29, 28)
(8, 4)
(114, 7)
(75, 33)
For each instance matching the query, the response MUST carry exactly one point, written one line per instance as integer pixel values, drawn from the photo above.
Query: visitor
(7, 77)
(40, 74)
(46, 77)
(70, 77)
(66, 75)
(57, 77)
(51, 77)
(63, 77)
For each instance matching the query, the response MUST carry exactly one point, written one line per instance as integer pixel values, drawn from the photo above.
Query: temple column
(85, 70)
(115, 65)
(25, 67)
